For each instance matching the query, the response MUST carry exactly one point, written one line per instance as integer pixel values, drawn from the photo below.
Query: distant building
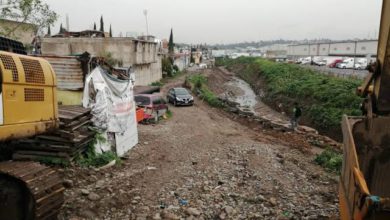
(276, 54)
(24, 32)
(361, 48)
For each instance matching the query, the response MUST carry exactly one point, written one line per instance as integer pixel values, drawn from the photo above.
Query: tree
(48, 30)
(62, 30)
(94, 26)
(171, 45)
(26, 11)
(110, 31)
(101, 24)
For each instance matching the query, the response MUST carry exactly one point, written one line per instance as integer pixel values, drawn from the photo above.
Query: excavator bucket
(365, 176)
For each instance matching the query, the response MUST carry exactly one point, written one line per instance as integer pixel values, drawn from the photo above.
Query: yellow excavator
(28, 106)
(364, 190)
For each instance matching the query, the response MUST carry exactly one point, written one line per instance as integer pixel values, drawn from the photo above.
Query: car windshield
(142, 100)
(181, 91)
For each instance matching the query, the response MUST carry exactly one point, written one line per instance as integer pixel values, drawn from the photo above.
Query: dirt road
(201, 164)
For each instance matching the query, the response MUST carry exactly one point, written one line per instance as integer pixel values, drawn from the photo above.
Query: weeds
(199, 84)
(158, 83)
(93, 159)
(330, 160)
(52, 161)
(169, 114)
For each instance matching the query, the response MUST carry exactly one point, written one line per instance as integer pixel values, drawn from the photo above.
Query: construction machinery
(28, 106)
(365, 178)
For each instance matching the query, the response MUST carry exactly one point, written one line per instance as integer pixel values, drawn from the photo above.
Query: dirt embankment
(282, 103)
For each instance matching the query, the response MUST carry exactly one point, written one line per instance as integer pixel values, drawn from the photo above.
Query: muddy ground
(204, 163)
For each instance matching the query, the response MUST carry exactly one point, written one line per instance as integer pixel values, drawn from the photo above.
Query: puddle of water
(248, 99)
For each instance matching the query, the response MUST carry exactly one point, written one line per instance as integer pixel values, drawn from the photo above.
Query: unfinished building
(142, 55)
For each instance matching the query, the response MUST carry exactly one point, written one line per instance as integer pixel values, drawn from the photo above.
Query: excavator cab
(364, 189)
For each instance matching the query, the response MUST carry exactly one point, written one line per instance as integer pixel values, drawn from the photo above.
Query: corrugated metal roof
(68, 71)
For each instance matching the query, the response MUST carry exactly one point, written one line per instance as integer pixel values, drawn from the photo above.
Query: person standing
(297, 112)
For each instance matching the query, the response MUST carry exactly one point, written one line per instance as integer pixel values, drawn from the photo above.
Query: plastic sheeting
(112, 105)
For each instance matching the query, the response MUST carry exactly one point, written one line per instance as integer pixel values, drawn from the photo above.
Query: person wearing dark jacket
(296, 115)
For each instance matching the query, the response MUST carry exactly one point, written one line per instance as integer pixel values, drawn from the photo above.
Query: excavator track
(29, 190)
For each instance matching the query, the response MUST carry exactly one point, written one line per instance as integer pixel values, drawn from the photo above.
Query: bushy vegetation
(158, 83)
(169, 68)
(324, 98)
(93, 159)
(330, 160)
(199, 84)
(52, 161)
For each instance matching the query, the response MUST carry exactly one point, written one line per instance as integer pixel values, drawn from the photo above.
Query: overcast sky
(227, 21)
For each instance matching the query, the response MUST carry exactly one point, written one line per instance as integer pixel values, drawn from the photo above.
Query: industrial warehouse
(361, 48)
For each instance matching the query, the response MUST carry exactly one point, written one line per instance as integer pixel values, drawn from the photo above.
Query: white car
(360, 66)
(320, 62)
(345, 65)
(306, 60)
(342, 65)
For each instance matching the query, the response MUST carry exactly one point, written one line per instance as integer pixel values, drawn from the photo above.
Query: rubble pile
(233, 186)
(67, 142)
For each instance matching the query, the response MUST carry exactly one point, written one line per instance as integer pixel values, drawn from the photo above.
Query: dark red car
(153, 104)
(334, 63)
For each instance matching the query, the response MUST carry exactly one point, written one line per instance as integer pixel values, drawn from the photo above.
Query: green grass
(169, 114)
(52, 161)
(330, 160)
(199, 86)
(324, 98)
(158, 83)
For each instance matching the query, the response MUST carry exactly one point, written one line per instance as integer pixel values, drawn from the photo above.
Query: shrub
(92, 159)
(330, 160)
(167, 66)
(199, 86)
(158, 83)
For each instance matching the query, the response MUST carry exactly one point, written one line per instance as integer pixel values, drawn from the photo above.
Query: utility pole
(354, 58)
(146, 19)
(67, 23)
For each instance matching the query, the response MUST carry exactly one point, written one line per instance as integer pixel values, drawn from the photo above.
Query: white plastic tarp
(113, 108)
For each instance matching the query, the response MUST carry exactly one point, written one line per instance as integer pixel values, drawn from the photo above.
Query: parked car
(360, 66)
(320, 62)
(306, 61)
(180, 96)
(335, 62)
(154, 105)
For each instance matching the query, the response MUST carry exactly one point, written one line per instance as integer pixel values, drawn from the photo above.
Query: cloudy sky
(227, 21)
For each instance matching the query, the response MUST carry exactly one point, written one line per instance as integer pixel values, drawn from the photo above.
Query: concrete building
(182, 60)
(24, 32)
(144, 56)
(362, 48)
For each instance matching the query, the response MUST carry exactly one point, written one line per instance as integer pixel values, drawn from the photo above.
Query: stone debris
(221, 168)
